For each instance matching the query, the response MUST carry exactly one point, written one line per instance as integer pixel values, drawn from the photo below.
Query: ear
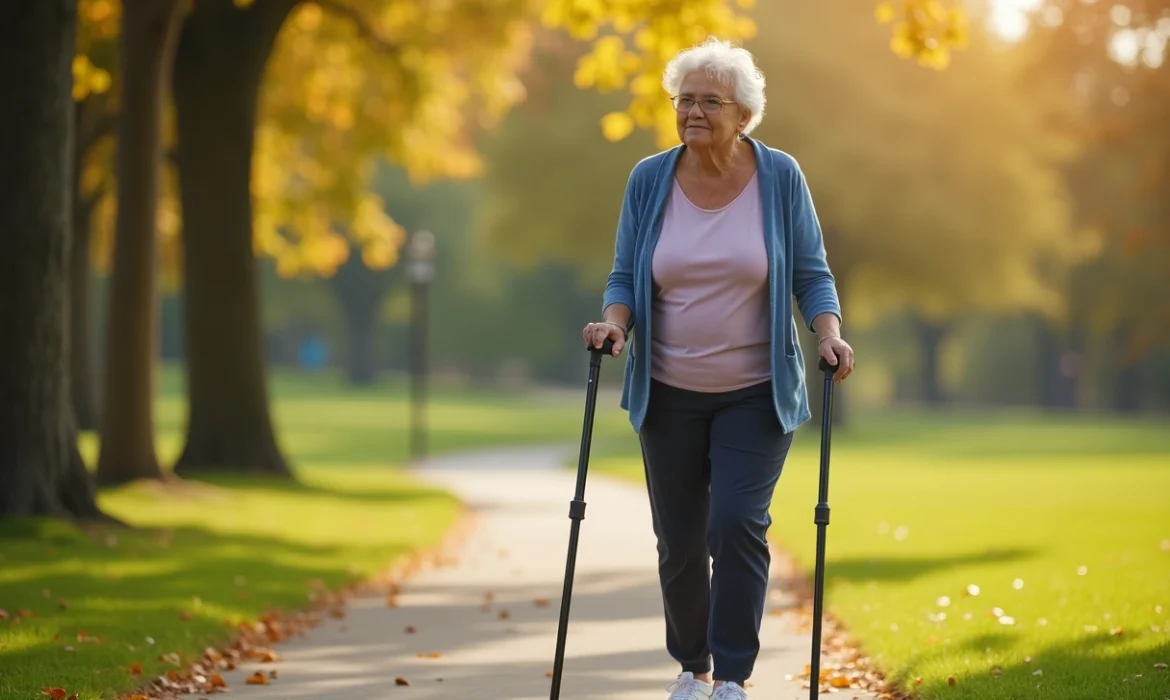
(745, 116)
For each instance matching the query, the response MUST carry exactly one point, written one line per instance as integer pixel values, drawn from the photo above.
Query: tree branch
(363, 26)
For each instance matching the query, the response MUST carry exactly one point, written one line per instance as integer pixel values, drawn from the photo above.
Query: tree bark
(41, 472)
(127, 434)
(80, 316)
(219, 64)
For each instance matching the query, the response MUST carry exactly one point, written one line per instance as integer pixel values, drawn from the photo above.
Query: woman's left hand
(835, 350)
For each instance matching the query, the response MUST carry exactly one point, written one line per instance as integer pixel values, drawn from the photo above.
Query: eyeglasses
(709, 105)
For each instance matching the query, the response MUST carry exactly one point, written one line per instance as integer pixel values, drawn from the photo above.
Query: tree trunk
(1058, 365)
(930, 336)
(41, 472)
(360, 292)
(127, 434)
(80, 314)
(1126, 387)
(361, 323)
(218, 68)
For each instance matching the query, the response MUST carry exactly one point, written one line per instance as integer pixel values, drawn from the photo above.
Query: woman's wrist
(617, 325)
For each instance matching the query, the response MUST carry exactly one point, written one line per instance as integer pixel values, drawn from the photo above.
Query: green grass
(229, 548)
(924, 506)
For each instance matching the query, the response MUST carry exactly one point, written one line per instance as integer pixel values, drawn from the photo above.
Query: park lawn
(1062, 524)
(228, 548)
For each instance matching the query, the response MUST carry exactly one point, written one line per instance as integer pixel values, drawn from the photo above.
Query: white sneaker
(730, 691)
(687, 687)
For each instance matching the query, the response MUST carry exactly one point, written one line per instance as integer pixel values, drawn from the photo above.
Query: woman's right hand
(596, 333)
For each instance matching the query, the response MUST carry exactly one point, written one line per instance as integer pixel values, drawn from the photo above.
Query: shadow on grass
(909, 568)
(310, 483)
(152, 590)
(1087, 668)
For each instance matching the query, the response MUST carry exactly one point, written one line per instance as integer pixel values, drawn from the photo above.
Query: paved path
(482, 616)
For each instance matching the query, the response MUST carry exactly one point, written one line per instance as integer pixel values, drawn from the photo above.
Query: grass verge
(1020, 555)
(84, 607)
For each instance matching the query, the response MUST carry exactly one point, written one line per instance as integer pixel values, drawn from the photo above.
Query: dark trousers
(712, 461)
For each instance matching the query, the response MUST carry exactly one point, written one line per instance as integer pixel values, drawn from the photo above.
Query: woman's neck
(716, 161)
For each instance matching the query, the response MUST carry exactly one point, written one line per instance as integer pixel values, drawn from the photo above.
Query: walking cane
(821, 518)
(577, 509)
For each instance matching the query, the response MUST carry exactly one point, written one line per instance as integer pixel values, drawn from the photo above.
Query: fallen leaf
(263, 654)
(540, 602)
(3, 614)
(401, 681)
(951, 681)
(135, 669)
(272, 673)
(1159, 667)
(74, 696)
(217, 681)
(410, 629)
(839, 681)
(430, 655)
(257, 678)
(55, 693)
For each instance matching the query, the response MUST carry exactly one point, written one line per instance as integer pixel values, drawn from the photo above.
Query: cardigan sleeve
(813, 284)
(619, 288)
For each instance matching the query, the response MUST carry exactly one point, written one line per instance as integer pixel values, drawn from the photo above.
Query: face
(699, 128)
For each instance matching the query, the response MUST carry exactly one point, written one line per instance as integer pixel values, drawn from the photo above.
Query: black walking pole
(821, 518)
(577, 508)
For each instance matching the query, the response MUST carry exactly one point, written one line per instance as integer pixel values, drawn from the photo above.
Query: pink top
(710, 308)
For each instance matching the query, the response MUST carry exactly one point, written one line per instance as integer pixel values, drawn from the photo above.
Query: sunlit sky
(1008, 18)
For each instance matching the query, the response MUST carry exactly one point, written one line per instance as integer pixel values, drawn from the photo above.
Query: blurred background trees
(992, 179)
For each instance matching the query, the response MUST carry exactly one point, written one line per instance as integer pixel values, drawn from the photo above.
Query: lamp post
(421, 255)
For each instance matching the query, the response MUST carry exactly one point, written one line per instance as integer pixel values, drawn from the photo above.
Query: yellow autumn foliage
(353, 81)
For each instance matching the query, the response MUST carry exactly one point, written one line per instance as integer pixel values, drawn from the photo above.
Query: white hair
(733, 66)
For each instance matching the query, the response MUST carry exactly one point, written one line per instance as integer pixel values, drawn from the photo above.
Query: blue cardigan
(797, 268)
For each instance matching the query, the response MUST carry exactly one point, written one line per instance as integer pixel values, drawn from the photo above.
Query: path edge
(270, 629)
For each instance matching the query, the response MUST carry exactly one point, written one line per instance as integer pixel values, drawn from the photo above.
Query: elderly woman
(716, 236)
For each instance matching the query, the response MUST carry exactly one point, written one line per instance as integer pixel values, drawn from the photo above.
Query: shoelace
(683, 689)
(730, 691)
